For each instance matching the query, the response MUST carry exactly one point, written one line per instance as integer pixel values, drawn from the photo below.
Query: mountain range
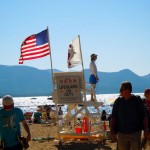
(28, 81)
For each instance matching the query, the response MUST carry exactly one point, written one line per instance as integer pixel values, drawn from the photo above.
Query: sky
(118, 31)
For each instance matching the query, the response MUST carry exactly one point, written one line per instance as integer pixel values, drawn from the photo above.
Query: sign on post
(69, 87)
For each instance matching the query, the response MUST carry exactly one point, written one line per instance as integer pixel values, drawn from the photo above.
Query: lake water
(29, 104)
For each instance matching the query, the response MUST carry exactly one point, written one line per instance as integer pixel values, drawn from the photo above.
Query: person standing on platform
(128, 119)
(93, 79)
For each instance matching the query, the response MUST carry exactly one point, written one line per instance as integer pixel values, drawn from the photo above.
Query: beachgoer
(128, 119)
(46, 115)
(146, 101)
(53, 116)
(60, 112)
(10, 118)
(37, 116)
(93, 79)
(104, 115)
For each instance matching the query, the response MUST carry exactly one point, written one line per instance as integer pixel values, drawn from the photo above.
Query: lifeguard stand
(70, 89)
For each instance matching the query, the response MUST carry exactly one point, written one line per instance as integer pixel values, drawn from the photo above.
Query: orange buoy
(85, 124)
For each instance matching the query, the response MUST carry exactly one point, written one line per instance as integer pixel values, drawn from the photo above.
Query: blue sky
(118, 31)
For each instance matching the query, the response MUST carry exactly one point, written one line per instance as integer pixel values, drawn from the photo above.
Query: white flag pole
(50, 57)
(82, 68)
(84, 87)
(81, 54)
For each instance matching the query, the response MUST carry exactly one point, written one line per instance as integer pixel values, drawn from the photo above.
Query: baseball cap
(93, 55)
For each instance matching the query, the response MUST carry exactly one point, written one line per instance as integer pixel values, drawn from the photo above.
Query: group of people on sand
(45, 115)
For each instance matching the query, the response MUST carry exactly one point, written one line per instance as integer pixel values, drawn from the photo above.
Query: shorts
(92, 79)
(129, 141)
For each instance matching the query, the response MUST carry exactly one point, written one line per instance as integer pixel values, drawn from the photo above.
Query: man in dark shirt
(128, 119)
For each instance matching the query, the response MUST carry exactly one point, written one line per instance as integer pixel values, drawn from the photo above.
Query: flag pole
(81, 54)
(50, 57)
(84, 87)
(82, 67)
(56, 105)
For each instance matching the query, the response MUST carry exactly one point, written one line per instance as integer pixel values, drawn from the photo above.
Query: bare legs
(92, 92)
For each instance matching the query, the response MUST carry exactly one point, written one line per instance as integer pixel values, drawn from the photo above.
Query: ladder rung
(89, 103)
(95, 114)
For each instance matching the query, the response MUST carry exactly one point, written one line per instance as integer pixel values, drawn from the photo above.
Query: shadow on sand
(83, 146)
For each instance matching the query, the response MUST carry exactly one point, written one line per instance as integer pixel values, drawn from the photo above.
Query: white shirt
(93, 68)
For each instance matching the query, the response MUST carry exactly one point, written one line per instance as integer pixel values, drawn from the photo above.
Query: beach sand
(42, 140)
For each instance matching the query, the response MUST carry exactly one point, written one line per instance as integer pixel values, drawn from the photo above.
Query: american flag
(35, 46)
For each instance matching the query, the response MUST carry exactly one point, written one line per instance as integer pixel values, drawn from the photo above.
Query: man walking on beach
(10, 118)
(128, 119)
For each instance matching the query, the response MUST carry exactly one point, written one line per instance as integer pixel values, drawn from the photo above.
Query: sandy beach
(42, 139)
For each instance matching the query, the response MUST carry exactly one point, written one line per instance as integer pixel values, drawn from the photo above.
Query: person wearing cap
(10, 118)
(93, 79)
(128, 119)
